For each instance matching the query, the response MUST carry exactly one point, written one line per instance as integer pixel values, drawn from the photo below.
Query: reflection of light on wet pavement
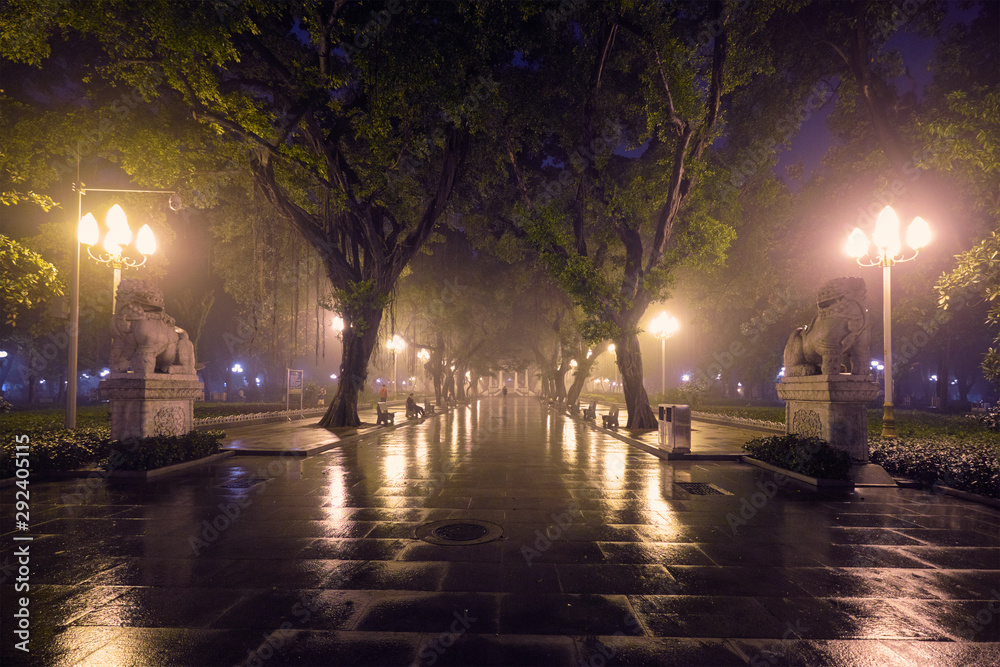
(613, 469)
(335, 486)
(121, 585)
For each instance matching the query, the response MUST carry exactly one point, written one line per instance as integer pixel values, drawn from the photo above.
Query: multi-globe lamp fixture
(116, 242)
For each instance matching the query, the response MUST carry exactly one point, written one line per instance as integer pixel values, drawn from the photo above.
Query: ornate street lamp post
(664, 327)
(888, 251)
(117, 239)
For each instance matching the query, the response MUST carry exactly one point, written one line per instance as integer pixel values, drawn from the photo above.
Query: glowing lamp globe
(87, 232)
(857, 244)
(116, 239)
(918, 234)
(116, 219)
(145, 242)
(886, 235)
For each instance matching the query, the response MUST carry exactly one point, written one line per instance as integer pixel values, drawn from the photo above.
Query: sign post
(294, 387)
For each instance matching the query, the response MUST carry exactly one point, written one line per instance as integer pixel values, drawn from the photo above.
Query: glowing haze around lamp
(117, 238)
(88, 234)
(888, 252)
(664, 327)
(396, 344)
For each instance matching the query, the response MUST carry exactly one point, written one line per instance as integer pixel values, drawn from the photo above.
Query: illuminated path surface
(318, 565)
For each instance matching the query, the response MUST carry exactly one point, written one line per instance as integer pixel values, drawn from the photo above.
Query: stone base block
(142, 407)
(871, 474)
(831, 407)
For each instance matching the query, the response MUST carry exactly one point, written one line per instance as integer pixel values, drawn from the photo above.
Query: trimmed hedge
(812, 457)
(972, 465)
(157, 452)
(61, 449)
(74, 450)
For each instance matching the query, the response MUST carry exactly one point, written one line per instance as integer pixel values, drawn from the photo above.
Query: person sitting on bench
(412, 409)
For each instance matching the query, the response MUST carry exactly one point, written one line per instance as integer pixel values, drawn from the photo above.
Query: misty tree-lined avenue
(506, 184)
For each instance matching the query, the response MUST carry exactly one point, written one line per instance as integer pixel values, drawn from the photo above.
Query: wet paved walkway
(301, 437)
(605, 559)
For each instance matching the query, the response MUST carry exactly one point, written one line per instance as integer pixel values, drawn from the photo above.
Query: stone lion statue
(838, 338)
(143, 337)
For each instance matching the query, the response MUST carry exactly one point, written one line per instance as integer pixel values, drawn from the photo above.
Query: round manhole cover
(460, 532)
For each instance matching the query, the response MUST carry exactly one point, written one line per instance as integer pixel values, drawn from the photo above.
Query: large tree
(352, 119)
(618, 187)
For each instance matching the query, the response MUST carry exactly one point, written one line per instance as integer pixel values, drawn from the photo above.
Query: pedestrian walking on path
(504, 391)
(383, 394)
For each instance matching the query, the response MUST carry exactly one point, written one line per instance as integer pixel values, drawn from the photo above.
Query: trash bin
(675, 428)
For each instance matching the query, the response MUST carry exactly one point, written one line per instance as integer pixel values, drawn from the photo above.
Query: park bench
(428, 407)
(611, 419)
(384, 416)
(574, 408)
(590, 413)
(412, 413)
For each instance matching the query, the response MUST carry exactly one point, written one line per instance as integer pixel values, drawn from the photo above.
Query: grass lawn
(98, 416)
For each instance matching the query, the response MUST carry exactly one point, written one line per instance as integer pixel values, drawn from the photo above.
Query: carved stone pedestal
(161, 404)
(831, 407)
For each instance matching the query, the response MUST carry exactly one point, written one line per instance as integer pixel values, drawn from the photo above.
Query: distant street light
(396, 344)
(888, 251)
(664, 327)
(614, 364)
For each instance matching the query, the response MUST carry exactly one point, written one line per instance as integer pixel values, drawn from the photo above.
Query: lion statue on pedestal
(143, 337)
(838, 338)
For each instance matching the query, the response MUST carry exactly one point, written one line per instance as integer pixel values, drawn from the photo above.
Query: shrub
(74, 450)
(972, 465)
(58, 449)
(207, 410)
(991, 419)
(158, 451)
(812, 457)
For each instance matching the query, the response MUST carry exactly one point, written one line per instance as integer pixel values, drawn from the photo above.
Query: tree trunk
(943, 372)
(449, 384)
(343, 410)
(640, 415)
(459, 383)
(579, 380)
(560, 383)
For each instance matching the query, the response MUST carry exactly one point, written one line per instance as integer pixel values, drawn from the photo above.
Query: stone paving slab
(303, 437)
(605, 559)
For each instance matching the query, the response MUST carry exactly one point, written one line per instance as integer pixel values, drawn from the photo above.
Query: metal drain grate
(702, 489)
(460, 532)
(243, 482)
